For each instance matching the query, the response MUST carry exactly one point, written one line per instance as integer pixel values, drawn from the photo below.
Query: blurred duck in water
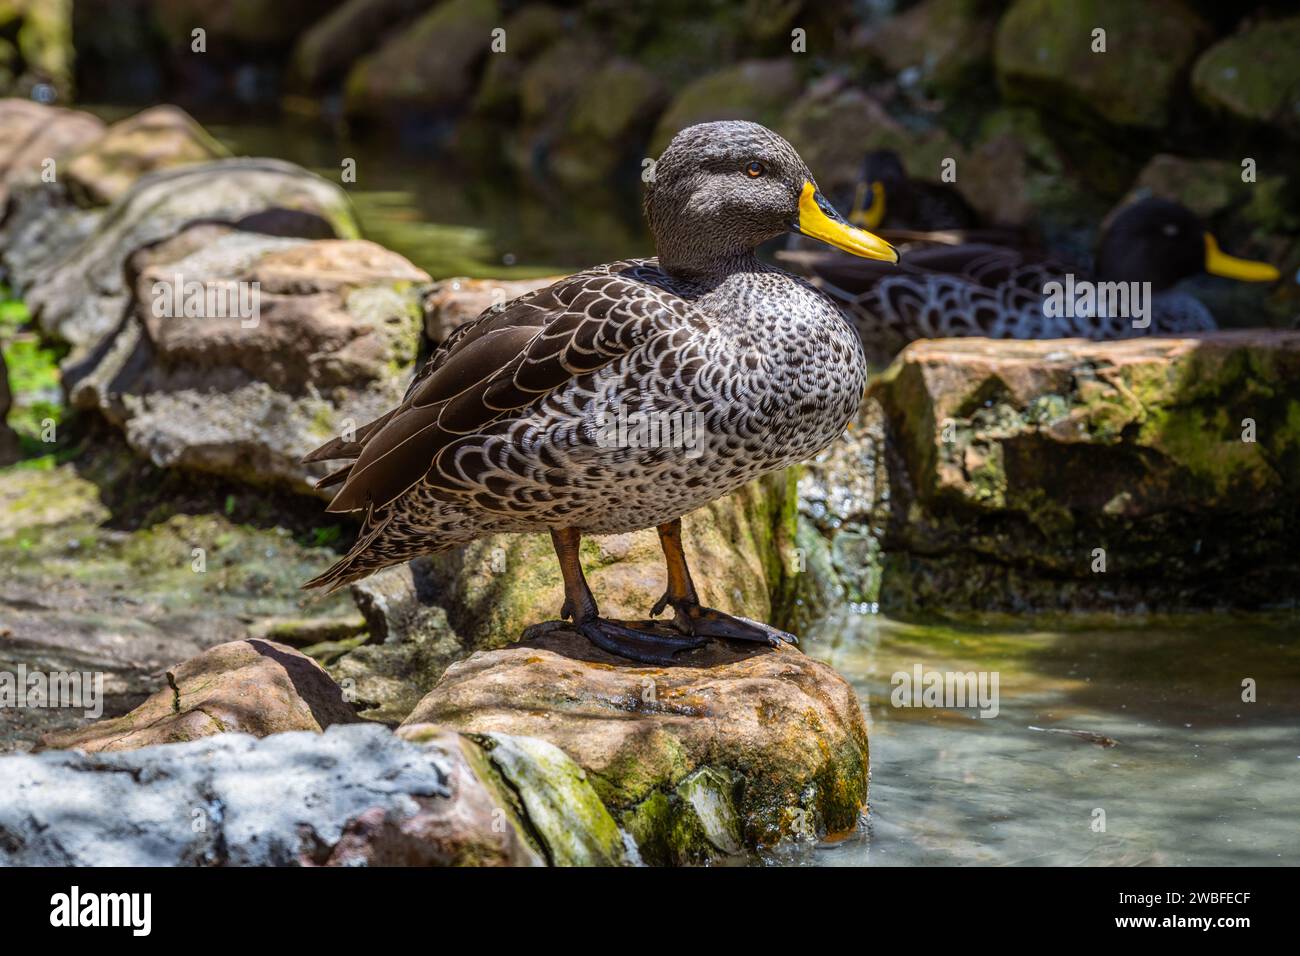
(982, 289)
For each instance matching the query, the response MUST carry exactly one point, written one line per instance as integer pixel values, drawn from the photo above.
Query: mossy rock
(756, 90)
(734, 749)
(1254, 77)
(1178, 458)
(1044, 56)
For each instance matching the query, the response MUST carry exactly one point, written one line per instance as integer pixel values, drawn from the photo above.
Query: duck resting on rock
(506, 428)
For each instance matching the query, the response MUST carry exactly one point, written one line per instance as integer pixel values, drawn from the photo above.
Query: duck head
(1163, 242)
(722, 189)
(883, 178)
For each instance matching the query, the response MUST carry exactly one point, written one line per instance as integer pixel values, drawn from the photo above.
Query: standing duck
(731, 368)
(1004, 292)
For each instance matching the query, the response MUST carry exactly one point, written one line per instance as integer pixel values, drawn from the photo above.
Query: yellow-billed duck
(515, 424)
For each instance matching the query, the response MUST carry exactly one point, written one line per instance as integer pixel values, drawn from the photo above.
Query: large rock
(37, 51)
(428, 68)
(1044, 54)
(31, 134)
(1146, 473)
(79, 293)
(334, 42)
(352, 796)
(451, 303)
(738, 748)
(1254, 77)
(331, 342)
(255, 687)
(154, 139)
(757, 90)
(942, 44)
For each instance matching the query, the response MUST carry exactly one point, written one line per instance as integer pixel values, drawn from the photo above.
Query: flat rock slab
(734, 749)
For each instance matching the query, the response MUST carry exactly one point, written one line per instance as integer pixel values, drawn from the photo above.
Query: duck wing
(502, 362)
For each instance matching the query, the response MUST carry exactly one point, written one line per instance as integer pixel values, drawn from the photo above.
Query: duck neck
(710, 270)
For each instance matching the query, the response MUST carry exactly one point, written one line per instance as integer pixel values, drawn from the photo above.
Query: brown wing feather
(503, 362)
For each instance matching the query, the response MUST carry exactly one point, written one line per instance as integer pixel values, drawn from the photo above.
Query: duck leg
(647, 643)
(692, 617)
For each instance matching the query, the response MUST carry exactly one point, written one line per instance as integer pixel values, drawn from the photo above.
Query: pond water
(1196, 776)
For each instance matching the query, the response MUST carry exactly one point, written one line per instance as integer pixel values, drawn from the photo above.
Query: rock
(946, 44)
(411, 645)
(9, 450)
(80, 296)
(334, 42)
(843, 512)
(758, 90)
(738, 749)
(157, 138)
(833, 127)
(451, 303)
(355, 795)
(428, 68)
(256, 687)
(1014, 462)
(1254, 76)
(1015, 173)
(40, 56)
(332, 340)
(301, 632)
(548, 790)
(530, 30)
(246, 25)
(495, 587)
(1044, 54)
(1205, 186)
(100, 576)
(31, 134)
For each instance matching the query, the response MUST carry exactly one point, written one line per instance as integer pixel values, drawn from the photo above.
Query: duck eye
(1171, 230)
(754, 170)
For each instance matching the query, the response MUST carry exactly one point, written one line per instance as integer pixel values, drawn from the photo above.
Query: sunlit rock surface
(1020, 469)
(352, 796)
(737, 748)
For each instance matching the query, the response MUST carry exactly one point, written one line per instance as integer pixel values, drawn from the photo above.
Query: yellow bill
(1219, 263)
(819, 220)
(868, 214)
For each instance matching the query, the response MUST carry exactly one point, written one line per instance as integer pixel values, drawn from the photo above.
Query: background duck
(505, 427)
(985, 289)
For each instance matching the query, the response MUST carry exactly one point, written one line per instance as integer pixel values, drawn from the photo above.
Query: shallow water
(1196, 776)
